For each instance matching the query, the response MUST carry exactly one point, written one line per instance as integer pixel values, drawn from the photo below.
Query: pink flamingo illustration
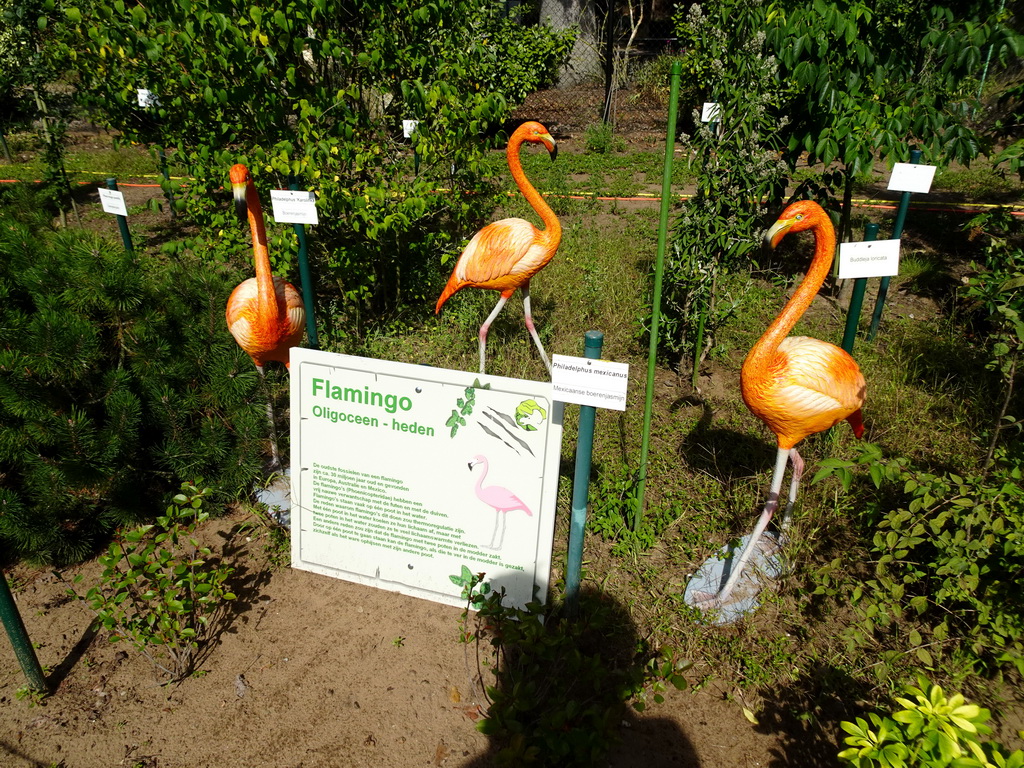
(502, 499)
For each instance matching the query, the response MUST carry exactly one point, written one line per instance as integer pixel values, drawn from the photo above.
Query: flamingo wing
(265, 341)
(502, 499)
(502, 254)
(813, 386)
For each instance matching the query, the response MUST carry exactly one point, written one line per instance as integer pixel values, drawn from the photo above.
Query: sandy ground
(308, 672)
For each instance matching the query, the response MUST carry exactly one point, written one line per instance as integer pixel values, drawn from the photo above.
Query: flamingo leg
(275, 456)
(781, 459)
(525, 288)
(499, 519)
(486, 326)
(794, 485)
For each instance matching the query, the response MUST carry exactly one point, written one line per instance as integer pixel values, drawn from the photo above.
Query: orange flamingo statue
(265, 313)
(504, 255)
(797, 386)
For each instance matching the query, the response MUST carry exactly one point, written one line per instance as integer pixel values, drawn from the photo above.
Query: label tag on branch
(869, 258)
(112, 201)
(911, 177)
(147, 98)
(409, 127)
(710, 112)
(581, 380)
(293, 206)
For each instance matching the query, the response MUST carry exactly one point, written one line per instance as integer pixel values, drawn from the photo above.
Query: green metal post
(122, 221)
(860, 285)
(659, 268)
(897, 232)
(309, 299)
(593, 341)
(19, 638)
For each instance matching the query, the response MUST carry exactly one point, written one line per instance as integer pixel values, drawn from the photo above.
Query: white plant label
(911, 177)
(584, 381)
(294, 206)
(710, 112)
(406, 477)
(874, 258)
(147, 98)
(112, 201)
(409, 127)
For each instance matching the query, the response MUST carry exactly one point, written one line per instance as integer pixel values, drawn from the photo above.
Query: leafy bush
(736, 164)
(930, 730)
(117, 375)
(160, 590)
(320, 91)
(946, 553)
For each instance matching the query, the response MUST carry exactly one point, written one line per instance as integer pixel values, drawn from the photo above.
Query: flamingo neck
(266, 296)
(824, 248)
(552, 227)
(481, 476)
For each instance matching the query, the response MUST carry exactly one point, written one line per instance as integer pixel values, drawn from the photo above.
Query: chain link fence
(618, 70)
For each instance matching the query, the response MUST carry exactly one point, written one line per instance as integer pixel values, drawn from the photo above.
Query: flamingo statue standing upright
(501, 499)
(505, 254)
(264, 313)
(797, 386)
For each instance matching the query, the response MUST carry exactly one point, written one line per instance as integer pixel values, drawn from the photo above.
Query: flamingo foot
(705, 589)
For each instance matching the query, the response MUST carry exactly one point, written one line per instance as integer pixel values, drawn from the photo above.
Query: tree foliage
(319, 91)
(117, 376)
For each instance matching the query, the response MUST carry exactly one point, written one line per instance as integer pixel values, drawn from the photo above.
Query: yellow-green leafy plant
(930, 730)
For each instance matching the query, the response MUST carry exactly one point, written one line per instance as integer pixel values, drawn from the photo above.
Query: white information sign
(584, 381)
(294, 206)
(409, 127)
(874, 258)
(911, 177)
(403, 476)
(147, 98)
(112, 201)
(709, 113)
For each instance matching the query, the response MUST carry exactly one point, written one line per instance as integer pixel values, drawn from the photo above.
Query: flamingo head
(800, 216)
(536, 133)
(478, 459)
(240, 181)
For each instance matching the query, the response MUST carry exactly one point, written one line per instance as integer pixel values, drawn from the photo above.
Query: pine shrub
(117, 379)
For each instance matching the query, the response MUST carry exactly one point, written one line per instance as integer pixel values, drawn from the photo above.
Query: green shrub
(946, 550)
(117, 376)
(160, 590)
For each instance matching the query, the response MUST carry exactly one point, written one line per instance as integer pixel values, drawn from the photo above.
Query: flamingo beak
(238, 190)
(549, 141)
(777, 232)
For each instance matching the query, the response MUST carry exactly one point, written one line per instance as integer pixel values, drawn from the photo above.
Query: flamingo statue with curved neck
(501, 499)
(265, 313)
(506, 254)
(796, 385)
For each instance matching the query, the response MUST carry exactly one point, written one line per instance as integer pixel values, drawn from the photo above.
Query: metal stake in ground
(19, 638)
(659, 269)
(593, 341)
(860, 285)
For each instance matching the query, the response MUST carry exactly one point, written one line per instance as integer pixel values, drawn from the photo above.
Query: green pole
(659, 268)
(19, 638)
(309, 299)
(122, 221)
(592, 343)
(860, 285)
(897, 232)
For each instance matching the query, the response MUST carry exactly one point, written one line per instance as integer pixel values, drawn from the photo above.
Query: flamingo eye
(799, 217)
